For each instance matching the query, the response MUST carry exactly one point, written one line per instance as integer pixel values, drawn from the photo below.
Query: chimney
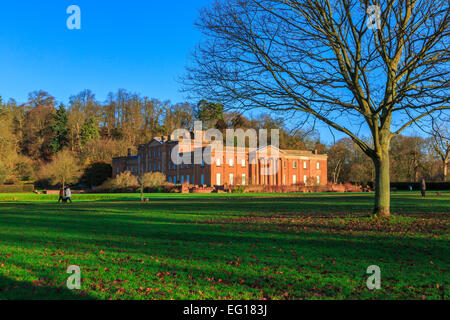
(129, 152)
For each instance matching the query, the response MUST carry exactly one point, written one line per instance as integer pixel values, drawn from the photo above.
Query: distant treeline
(32, 133)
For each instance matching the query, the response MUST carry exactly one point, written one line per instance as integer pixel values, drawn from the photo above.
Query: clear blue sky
(138, 45)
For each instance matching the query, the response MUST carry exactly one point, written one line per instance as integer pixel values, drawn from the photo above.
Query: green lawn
(297, 246)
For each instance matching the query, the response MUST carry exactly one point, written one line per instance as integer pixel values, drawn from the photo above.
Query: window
(305, 180)
(318, 166)
(154, 166)
(218, 162)
(294, 179)
(188, 179)
(203, 163)
(231, 162)
(218, 179)
(284, 179)
(174, 180)
(244, 179)
(182, 179)
(202, 179)
(159, 166)
(243, 162)
(170, 179)
(284, 164)
(231, 179)
(305, 165)
(159, 151)
(318, 180)
(295, 164)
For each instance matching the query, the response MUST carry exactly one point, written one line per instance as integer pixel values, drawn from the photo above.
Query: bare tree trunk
(382, 185)
(445, 163)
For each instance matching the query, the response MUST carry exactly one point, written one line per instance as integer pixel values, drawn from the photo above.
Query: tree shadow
(22, 290)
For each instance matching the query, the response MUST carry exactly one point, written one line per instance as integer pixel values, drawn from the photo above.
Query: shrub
(23, 188)
(124, 182)
(96, 173)
(240, 189)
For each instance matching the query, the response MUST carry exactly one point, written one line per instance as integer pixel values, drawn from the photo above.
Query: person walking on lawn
(68, 195)
(423, 188)
(61, 195)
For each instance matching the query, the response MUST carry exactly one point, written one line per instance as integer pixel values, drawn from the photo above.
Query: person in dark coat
(423, 188)
(61, 195)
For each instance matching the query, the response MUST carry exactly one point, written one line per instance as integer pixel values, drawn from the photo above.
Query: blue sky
(141, 46)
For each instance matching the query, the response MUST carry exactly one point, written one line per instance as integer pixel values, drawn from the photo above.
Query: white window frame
(305, 165)
(294, 179)
(231, 177)
(218, 179)
(244, 179)
(318, 165)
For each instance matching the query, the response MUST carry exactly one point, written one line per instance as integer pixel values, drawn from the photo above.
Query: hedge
(23, 188)
(431, 186)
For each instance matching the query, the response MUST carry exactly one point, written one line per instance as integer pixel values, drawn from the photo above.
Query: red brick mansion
(264, 166)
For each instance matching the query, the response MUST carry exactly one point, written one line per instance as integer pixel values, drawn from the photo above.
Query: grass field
(296, 246)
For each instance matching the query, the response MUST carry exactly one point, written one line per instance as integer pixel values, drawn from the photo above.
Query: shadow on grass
(22, 290)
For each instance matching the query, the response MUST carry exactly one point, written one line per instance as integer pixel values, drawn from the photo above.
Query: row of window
(219, 163)
(184, 179)
(230, 162)
(305, 179)
(243, 163)
(305, 165)
(231, 179)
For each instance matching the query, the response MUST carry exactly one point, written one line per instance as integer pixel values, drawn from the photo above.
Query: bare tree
(343, 62)
(151, 180)
(440, 137)
(63, 170)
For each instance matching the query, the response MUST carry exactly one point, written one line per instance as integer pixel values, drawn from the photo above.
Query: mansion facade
(242, 166)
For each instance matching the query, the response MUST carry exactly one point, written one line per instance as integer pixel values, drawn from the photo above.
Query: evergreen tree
(60, 130)
(89, 131)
